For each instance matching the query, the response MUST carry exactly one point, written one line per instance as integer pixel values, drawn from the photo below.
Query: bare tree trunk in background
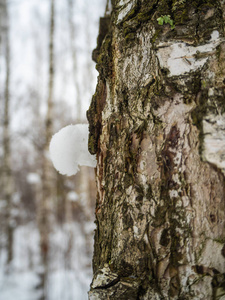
(85, 173)
(7, 170)
(49, 118)
(74, 59)
(45, 207)
(157, 124)
(77, 104)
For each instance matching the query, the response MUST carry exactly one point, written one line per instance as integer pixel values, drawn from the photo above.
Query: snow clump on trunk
(69, 149)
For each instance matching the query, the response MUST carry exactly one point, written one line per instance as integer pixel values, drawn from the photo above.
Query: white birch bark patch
(180, 58)
(126, 7)
(104, 277)
(214, 140)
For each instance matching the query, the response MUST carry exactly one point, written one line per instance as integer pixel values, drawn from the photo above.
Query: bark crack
(114, 282)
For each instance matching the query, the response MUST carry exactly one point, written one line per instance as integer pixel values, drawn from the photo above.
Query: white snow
(29, 32)
(33, 178)
(65, 284)
(20, 286)
(69, 275)
(72, 196)
(69, 149)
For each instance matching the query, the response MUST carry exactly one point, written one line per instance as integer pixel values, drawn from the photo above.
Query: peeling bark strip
(157, 123)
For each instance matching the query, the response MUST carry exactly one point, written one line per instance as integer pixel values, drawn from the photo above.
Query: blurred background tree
(47, 79)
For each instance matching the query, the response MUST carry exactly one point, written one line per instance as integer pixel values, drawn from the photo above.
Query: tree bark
(48, 197)
(7, 168)
(74, 59)
(157, 126)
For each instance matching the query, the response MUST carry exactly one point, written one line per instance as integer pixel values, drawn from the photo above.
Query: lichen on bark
(160, 210)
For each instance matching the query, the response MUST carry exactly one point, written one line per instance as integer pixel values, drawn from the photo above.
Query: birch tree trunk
(45, 206)
(157, 124)
(70, 5)
(7, 169)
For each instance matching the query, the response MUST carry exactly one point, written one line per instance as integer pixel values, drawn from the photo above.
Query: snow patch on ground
(64, 284)
(19, 286)
(18, 280)
(69, 264)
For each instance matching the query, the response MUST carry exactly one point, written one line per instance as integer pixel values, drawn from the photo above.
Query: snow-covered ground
(71, 244)
(69, 264)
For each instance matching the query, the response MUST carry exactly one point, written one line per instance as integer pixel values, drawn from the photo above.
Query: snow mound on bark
(69, 149)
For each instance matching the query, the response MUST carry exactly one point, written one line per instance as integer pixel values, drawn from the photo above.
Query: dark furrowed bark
(156, 125)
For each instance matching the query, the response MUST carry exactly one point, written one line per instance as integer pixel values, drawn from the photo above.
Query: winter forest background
(47, 79)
